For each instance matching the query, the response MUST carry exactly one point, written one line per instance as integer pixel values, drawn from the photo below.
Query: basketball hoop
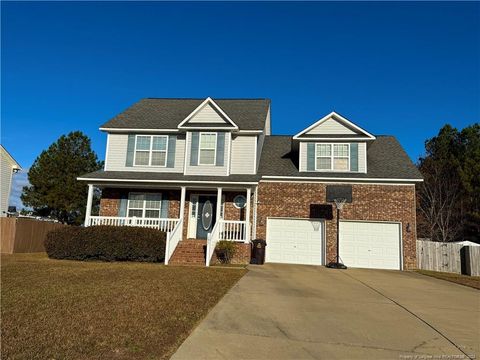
(339, 202)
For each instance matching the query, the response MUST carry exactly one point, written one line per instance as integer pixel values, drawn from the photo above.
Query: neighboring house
(204, 168)
(8, 167)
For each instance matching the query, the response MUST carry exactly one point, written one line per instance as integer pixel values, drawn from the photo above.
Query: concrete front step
(189, 252)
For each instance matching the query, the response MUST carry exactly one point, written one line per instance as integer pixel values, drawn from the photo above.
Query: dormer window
(334, 157)
(151, 150)
(207, 149)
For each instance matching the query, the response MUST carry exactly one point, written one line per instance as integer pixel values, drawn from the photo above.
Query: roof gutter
(121, 130)
(340, 179)
(332, 139)
(126, 130)
(168, 181)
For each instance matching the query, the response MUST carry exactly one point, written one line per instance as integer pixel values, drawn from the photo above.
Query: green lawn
(471, 281)
(59, 309)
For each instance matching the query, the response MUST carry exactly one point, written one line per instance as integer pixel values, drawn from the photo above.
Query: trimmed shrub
(225, 251)
(107, 243)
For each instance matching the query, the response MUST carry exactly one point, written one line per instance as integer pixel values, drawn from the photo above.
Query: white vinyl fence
(447, 257)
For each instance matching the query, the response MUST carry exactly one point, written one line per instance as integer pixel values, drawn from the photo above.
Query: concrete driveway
(307, 312)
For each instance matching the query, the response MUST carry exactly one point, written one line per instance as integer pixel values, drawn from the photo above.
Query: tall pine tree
(449, 198)
(54, 189)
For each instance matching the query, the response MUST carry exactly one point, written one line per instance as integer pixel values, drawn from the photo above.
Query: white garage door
(294, 241)
(372, 245)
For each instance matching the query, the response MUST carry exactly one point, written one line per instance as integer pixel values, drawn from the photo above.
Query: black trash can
(258, 251)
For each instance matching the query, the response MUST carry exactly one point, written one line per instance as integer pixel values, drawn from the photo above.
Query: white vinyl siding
(207, 115)
(267, 131)
(243, 155)
(117, 154)
(362, 153)
(212, 170)
(330, 127)
(260, 142)
(261, 139)
(144, 205)
(6, 173)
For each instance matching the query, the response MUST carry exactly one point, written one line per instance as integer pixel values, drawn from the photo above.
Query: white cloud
(19, 180)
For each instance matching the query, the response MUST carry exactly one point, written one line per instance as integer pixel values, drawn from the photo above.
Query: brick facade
(242, 255)
(110, 202)
(394, 203)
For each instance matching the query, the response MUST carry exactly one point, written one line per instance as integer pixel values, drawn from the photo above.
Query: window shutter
(220, 148)
(354, 157)
(310, 156)
(194, 149)
(122, 209)
(164, 207)
(130, 150)
(172, 142)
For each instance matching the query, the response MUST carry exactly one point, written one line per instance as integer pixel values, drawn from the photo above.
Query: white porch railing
(212, 239)
(233, 230)
(173, 238)
(225, 230)
(165, 224)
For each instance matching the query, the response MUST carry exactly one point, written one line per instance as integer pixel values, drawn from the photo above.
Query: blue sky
(402, 68)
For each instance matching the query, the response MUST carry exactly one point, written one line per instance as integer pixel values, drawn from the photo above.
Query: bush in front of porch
(107, 243)
(225, 251)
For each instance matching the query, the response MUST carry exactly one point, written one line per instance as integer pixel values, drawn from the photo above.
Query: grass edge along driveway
(466, 280)
(84, 310)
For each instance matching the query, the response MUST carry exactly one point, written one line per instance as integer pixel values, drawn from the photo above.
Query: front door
(205, 215)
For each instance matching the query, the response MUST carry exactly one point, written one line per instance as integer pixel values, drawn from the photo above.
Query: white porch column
(182, 201)
(88, 211)
(255, 219)
(247, 216)
(219, 202)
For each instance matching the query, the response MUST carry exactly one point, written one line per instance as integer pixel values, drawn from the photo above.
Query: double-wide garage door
(374, 245)
(294, 241)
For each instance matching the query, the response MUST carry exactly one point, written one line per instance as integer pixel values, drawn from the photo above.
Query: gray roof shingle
(386, 159)
(248, 114)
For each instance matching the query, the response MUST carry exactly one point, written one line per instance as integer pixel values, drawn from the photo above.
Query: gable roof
(158, 114)
(213, 104)
(13, 162)
(386, 159)
(359, 132)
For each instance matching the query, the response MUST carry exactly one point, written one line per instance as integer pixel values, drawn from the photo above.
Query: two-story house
(205, 170)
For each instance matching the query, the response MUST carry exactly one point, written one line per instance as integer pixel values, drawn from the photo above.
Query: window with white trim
(334, 157)
(144, 205)
(207, 149)
(151, 150)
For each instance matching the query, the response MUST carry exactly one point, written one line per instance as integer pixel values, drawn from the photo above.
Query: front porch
(203, 213)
